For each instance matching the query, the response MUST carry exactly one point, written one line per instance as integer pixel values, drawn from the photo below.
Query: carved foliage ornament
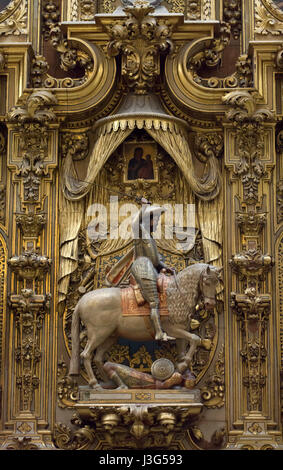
(210, 57)
(36, 108)
(30, 265)
(213, 393)
(2, 185)
(71, 56)
(232, 13)
(268, 18)
(248, 122)
(193, 9)
(140, 39)
(84, 10)
(279, 196)
(129, 426)
(29, 310)
(13, 19)
(32, 119)
(252, 311)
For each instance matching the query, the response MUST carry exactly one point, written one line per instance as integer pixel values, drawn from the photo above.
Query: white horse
(101, 313)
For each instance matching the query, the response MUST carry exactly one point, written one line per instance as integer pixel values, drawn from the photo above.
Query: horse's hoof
(95, 385)
(122, 387)
(182, 367)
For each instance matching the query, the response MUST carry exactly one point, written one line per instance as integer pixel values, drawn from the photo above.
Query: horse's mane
(182, 300)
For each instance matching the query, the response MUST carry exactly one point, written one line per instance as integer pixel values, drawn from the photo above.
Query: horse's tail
(75, 334)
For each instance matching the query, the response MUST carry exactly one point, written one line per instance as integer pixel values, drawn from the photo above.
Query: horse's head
(208, 282)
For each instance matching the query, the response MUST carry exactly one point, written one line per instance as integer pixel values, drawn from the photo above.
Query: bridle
(201, 286)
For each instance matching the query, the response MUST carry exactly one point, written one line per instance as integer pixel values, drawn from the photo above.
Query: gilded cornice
(15, 67)
(95, 91)
(182, 88)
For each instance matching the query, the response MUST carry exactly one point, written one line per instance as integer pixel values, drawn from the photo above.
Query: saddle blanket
(131, 307)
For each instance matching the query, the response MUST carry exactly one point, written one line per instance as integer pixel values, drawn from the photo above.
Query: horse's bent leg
(99, 355)
(87, 355)
(93, 343)
(193, 340)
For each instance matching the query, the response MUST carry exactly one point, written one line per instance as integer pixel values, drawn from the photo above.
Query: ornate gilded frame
(13, 18)
(273, 9)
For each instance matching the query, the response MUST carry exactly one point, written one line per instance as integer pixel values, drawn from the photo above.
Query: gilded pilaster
(251, 335)
(32, 158)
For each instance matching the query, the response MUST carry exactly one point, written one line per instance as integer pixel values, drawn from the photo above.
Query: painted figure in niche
(140, 167)
(146, 172)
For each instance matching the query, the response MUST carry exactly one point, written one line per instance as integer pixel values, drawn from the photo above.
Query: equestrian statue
(154, 306)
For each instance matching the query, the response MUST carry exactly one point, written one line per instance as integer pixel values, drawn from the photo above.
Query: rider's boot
(160, 335)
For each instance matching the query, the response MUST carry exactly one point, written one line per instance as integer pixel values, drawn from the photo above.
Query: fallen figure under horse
(101, 312)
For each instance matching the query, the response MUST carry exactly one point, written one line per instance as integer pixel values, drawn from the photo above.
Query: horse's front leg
(192, 339)
(181, 346)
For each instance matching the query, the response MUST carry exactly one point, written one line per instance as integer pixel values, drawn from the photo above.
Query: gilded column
(251, 339)
(31, 323)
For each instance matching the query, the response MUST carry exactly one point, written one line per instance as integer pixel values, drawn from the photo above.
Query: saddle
(133, 302)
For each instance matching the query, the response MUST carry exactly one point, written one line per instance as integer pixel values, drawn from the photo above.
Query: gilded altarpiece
(194, 90)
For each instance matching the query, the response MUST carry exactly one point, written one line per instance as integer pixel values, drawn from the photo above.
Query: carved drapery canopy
(143, 112)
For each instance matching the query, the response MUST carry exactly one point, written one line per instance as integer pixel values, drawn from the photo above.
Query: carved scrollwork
(232, 13)
(248, 121)
(36, 108)
(2, 202)
(75, 144)
(66, 439)
(253, 310)
(268, 18)
(133, 426)
(207, 145)
(211, 56)
(251, 264)
(13, 19)
(31, 224)
(243, 110)
(22, 443)
(31, 120)
(140, 39)
(67, 389)
(274, 7)
(71, 55)
(213, 393)
(251, 223)
(70, 58)
(30, 265)
(279, 198)
(29, 310)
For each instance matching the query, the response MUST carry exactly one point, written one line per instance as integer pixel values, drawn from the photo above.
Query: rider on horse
(147, 263)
